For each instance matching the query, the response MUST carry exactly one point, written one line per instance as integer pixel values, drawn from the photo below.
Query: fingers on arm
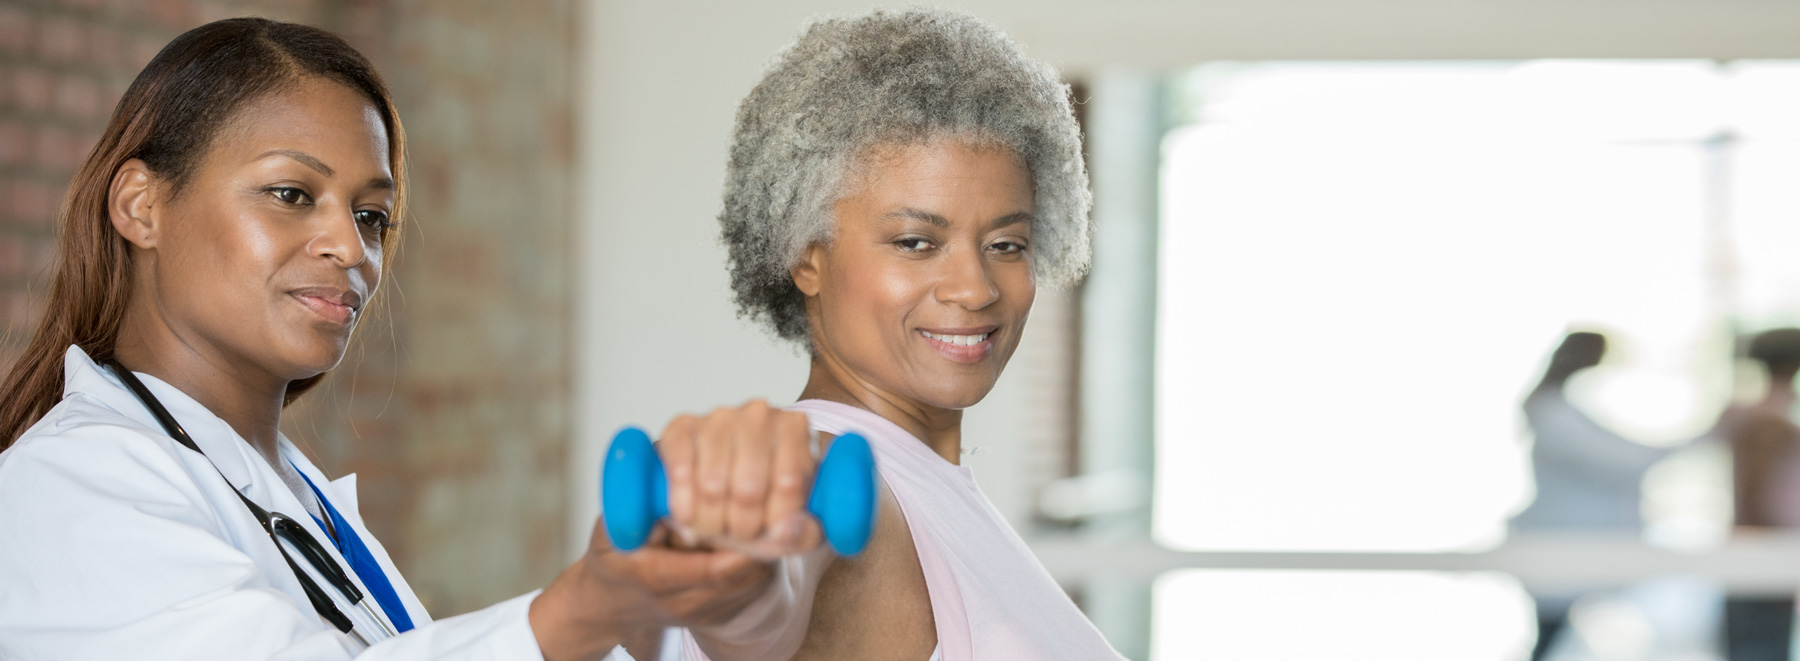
(712, 471)
(669, 571)
(678, 452)
(791, 474)
(753, 451)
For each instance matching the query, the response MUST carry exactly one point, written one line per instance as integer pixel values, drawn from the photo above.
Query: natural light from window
(1364, 267)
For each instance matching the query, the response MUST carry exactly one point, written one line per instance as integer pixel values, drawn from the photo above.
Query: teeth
(960, 340)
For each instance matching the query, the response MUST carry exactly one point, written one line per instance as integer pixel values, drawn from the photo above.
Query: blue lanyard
(361, 561)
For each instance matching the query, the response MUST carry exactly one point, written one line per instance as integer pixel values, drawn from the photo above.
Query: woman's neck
(939, 428)
(248, 400)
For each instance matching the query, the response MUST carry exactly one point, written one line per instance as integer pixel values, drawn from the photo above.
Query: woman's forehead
(325, 120)
(944, 179)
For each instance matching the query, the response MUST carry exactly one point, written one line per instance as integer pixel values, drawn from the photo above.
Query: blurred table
(1747, 564)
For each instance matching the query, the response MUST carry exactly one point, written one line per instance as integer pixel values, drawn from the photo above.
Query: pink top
(990, 597)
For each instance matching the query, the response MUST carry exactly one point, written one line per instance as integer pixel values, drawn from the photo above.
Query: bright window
(1365, 265)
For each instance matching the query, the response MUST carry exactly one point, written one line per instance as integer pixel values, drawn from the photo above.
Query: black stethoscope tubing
(279, 526)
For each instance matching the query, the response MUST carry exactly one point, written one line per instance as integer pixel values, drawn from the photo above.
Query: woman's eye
(1008, 247)
(289, 195)
(373, 219)
(913, 244)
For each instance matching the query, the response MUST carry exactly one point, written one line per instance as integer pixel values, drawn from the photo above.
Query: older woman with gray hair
(900, 184)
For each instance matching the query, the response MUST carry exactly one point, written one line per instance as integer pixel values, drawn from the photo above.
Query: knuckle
(756, 412)
(712, 486)
(745, 499)
(787, 484)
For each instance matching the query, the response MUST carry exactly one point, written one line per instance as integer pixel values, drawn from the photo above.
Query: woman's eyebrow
(304, 159)
(910, 213)
(1011, 219)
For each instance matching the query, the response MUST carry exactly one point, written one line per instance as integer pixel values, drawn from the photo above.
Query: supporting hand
(607, 596)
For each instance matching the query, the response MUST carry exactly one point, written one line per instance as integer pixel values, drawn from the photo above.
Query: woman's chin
(311, 359)
(959, 398)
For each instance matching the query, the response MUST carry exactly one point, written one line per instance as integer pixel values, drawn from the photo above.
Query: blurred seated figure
(1765, 442)
(1765, 467)
(1588, 477)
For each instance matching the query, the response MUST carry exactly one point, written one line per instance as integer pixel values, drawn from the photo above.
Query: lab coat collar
(229, 452)
(233, 456)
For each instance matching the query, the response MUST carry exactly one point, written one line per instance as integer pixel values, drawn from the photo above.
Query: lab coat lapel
(246, 470)
(343, 494)
(216, 439)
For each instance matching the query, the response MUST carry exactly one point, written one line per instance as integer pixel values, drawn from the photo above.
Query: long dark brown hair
(169, 118)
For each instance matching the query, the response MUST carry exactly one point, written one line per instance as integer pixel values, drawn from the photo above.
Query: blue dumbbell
(634, 491)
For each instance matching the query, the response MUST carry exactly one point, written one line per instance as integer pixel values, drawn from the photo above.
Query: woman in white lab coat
(217, 249)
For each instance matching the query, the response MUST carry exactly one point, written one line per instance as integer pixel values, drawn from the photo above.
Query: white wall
(656, 333)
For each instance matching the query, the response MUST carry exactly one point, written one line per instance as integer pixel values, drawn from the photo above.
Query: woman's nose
(340, 240)
(966, 281)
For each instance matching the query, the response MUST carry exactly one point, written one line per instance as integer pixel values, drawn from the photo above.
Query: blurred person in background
(1765, 475)
(1764, 440)
(1588, 477)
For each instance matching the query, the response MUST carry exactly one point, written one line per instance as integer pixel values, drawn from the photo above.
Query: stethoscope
(280, 527)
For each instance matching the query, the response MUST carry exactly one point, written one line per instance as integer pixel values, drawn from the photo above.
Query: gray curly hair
(849, 85)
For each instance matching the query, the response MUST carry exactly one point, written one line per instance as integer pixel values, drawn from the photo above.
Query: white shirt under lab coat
(117, 542)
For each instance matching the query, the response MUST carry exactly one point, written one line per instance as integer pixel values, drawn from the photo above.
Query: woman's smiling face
(923, 291)
(266, 255)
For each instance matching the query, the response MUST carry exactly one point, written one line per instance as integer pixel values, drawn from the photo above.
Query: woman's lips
(335, 306)
(962, 345)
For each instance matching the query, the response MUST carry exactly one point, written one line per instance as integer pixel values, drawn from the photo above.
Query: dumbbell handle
(634, 491)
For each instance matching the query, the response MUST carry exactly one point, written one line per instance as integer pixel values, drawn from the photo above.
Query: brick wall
(452, 407)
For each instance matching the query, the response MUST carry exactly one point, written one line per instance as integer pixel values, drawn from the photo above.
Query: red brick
(12, 256)
(80, 145)
(78, 97)
(30, 203)
(174, 14)
(63, 150)
(20, 310)
(142, 50)
(15, 31)
(106, 48)
(33, 90)
(40, 257)
(15, 143)
(11, 347)
(50, 147)
(115, 90)
(62, 39)
(13, 205)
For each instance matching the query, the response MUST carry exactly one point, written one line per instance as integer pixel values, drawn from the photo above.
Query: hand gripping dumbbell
(634, 491)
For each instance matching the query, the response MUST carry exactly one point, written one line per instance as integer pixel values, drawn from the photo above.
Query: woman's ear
(131, 203)
(807, 272)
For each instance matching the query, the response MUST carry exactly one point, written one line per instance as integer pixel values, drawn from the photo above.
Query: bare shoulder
(875, 605)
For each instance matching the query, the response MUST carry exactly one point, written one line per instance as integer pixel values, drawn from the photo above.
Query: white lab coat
(116, 542)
